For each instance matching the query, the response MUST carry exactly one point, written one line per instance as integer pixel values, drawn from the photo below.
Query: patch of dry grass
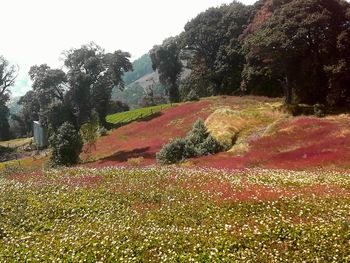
(236, 128)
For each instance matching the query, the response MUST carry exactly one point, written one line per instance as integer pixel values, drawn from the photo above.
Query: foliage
(92, 74)
(198, 142)
(210, 146)
(172, 152)
(116, 106)
(30, 110)
(213, 48)
(66, 144)
(89, 133)
(8, 74)
(166, 59)
(299, 48)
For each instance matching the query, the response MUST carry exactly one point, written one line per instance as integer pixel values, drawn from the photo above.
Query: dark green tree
(49, 87)
(66, 144)
(166, 59)
(8, 74)
(92, 74)
(30, 110)
(212, 42)
(296, 46)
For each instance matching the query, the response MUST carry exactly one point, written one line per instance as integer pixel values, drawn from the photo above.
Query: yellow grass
(234, 128)
(16, 142)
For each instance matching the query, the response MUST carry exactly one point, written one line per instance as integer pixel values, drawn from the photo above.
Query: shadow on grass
(123, 156)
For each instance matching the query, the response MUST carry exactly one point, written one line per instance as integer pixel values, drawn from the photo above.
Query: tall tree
(166, 59)
(8, 74)
(30, 110)
(295, 46)
(92, 74)
(49, 86)
(212, 39)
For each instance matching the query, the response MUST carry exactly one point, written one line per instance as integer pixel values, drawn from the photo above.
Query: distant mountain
(142, 66)
(137, 82)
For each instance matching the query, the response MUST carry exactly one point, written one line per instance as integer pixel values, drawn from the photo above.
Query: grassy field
(175, 215)
(133, 115)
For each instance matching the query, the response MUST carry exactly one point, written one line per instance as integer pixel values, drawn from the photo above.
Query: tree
(296, 45)
(212, 42)
(30, 110)
(8, 74)
(66, 144)
(92, 74)
(49, 86)
(166, 58)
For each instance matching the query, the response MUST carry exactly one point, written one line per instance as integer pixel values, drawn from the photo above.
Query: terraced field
(137, 114)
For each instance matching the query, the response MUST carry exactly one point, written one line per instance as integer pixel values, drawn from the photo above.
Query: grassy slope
(271, 139)
(173, 214)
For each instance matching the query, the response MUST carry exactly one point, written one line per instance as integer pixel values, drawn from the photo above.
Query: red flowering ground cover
(145, 138)
(303, 142)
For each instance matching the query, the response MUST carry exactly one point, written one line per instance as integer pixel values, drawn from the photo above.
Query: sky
(38, 31)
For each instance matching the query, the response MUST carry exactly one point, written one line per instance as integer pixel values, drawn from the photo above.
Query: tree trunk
(287, 90)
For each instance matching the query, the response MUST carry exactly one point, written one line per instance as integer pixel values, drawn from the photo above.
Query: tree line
(65, 100)
(298, 49)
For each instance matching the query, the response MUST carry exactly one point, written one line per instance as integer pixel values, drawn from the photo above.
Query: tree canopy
(295, 48)
(8, 74)
(166, 59)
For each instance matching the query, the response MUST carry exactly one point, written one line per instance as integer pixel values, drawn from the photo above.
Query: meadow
(169, 214)
(284, 196)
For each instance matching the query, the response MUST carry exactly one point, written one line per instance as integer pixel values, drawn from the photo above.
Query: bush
(198, 142)
(172, 152)
(198, 133)
(210, 146)
(66, 144)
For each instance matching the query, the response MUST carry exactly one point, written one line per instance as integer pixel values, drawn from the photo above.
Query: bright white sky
(37, 31)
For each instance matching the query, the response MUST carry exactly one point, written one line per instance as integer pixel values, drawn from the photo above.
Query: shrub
(172, 152)
(198, 133)
(210, 146)
(66, 144)
(198, 142)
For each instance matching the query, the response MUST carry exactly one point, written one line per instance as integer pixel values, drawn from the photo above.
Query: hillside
(264, 136)
(115, 204)
(137, 82)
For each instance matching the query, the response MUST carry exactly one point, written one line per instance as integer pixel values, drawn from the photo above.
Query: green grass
(174, 215)
(133, 115)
